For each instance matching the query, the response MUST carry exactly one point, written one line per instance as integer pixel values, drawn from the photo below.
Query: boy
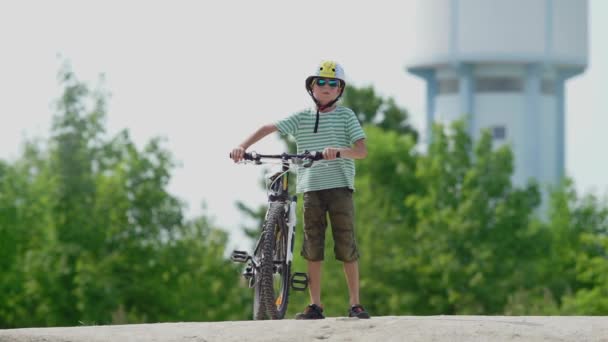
(328, 189)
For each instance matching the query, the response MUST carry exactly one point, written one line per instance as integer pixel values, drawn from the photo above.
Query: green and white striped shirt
(338, 128)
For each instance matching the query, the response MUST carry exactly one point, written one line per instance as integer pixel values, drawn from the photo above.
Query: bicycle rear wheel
(274, 269)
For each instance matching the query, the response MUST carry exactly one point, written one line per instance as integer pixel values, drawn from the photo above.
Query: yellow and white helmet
(327, 69)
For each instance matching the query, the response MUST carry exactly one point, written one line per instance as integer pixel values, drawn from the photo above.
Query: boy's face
(326, 90)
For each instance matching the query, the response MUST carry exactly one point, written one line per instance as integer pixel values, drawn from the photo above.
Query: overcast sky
(205, 74)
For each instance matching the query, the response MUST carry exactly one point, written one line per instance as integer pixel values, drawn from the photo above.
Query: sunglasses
(322, 81)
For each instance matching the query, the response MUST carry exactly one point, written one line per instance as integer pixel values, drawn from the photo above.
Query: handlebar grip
(246, 156)
(319, 155)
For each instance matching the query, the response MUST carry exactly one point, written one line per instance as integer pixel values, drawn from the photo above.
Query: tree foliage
(90, 234)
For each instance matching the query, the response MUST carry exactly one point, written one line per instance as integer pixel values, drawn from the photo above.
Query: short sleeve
(353, 128)
(288, 125)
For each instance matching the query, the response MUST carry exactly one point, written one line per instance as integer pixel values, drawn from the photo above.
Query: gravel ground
(384, 329)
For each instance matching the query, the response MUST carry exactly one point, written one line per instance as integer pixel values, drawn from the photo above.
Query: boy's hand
(237, 154)
(330, 153)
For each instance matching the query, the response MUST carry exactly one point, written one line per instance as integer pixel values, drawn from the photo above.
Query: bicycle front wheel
(259, 308)
(274, 269)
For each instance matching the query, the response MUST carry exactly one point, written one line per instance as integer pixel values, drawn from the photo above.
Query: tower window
(498, 84)
(499, 132)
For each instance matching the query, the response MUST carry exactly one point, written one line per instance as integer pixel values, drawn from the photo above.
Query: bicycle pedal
(299, 281)
(239, 256)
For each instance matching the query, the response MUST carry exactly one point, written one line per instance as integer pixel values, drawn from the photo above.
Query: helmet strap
(320, 107)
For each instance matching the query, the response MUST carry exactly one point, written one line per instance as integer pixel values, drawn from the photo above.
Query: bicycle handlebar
(308, 156)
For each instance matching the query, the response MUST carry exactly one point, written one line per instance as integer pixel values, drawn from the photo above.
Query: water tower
(502, 65)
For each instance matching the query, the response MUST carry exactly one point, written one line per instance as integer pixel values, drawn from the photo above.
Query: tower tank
(502, 65)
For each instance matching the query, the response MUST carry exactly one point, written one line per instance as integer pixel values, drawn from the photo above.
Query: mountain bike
(268, 269)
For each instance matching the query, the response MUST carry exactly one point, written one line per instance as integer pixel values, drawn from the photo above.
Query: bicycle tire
(259, 309)
(274, 270)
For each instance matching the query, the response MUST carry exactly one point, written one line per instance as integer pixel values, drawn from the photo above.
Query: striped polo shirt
(338, 128)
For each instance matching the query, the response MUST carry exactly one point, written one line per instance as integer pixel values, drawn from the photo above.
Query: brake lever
(316, 156)
(307, 163)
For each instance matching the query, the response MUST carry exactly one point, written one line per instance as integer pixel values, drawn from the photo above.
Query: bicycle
(268, 270)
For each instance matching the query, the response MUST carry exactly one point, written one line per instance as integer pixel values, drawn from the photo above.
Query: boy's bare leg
(314, 281)
(351, 270)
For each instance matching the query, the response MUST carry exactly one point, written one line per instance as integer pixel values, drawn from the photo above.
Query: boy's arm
(239, 152)
(357, 151)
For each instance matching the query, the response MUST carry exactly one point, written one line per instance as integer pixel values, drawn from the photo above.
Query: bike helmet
(327, 69)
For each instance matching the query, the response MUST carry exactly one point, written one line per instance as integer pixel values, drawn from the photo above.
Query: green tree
(94, 237)
(372, 109)
(24, 227)
(577, 254)
(473, 244)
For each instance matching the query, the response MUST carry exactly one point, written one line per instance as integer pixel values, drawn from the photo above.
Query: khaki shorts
(339, 204)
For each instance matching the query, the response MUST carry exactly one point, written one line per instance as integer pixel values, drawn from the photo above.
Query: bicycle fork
(299, 280)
